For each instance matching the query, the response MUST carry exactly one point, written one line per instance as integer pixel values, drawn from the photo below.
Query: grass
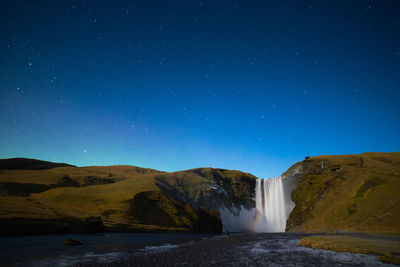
(40, 194)
(97, 200)
(24, 207)
(107, 201)
(348, 193)
(387, 249)
(52, 176)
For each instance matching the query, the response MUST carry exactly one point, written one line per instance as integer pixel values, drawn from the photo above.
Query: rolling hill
(346, 193)
(63, 198)
(357, 193)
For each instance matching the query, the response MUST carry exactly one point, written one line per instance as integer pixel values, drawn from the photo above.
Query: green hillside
(331, 193)
(29, 164)
(347, 193)
(60, 199)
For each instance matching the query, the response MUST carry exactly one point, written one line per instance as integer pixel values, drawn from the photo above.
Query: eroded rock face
(161, 209)
(210, 187)
(229, 192)
(209, 221)
(290, 180)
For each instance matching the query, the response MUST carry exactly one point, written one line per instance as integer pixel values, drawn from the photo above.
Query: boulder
(94, 224)
(72, 242)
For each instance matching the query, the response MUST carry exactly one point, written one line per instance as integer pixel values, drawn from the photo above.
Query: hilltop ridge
(346, 193)
(29, 164)
(325, 194)
(41, 198)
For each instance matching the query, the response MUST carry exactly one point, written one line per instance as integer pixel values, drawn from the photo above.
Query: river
(48, 250)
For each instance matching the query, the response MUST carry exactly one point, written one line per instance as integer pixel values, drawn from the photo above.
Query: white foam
(161, 248)
(240, 220)
(270, 206)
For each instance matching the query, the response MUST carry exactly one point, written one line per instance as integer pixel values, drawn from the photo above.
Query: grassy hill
(29, 164)
(347, 193)
(331, 193)
(61, 198)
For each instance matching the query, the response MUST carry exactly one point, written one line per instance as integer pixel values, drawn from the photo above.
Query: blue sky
(172, 85)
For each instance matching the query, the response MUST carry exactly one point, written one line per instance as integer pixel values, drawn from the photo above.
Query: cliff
(60, 198)
(345, 193)
(323, 194)
(229, 192)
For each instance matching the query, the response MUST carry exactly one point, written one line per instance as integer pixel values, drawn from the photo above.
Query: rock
(209, 221)
(66, 181)
(94, 224)
(211, 188)
(161, 209)
(94, 180)
(72, 242)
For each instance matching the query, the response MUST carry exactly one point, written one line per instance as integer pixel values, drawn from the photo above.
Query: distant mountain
(29, 164)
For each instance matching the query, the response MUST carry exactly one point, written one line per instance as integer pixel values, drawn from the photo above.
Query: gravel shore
(248, 249)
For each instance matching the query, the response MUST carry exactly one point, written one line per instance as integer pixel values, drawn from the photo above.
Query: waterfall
(270, 206)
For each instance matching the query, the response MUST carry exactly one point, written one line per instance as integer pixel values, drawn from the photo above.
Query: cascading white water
(270, 206)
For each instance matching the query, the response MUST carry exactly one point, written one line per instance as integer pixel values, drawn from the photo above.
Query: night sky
(173, 85)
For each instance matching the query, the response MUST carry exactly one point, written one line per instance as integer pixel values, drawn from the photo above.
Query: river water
(248, 249)
(160, 249)
(48, 250)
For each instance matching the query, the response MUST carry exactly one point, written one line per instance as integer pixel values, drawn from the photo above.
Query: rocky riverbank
(242, 250)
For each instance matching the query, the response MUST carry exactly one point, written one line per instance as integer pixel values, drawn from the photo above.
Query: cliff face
(290, 180)
(210, 187)
(227, 191)
(159, 208)
(345, 193)
(325, 193)
(124, 198)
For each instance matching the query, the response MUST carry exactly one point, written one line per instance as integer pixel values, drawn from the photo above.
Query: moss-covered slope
(346, 193)
(210, 187)
(159, 208)
(125, 198)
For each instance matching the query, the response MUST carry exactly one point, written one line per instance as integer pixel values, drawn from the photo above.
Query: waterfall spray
(270, 206)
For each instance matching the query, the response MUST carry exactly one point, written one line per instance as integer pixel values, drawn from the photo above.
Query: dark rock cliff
(211, 188)
(159, 208)
(229, 192)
